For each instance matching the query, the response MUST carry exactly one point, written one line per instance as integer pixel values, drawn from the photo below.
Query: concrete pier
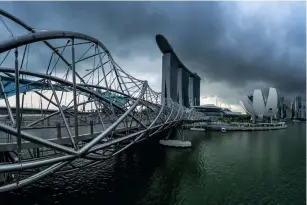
(175, 138)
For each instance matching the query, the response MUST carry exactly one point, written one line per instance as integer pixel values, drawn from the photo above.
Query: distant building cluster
(263, 105)
(294, 109)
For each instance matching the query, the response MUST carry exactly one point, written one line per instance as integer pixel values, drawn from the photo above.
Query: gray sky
(234, 47)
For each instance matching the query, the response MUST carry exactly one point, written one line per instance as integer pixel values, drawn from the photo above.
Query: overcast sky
(234, 46)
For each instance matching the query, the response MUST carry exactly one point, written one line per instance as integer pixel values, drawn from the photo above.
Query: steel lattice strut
(69, 105)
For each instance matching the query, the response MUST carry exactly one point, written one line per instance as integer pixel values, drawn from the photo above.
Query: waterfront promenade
(235, 126)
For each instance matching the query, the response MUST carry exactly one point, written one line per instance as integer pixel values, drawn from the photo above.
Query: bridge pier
(175, 138)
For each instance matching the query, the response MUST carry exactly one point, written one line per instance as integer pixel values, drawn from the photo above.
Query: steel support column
(74, 89)
(18, 122)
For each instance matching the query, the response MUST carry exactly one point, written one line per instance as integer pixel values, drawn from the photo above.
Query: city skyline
(235, 47)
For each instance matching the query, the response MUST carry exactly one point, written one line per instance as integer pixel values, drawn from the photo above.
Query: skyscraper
(288, 110)
(178, 82)
(292, 109)
(297, 106)
(303, 111)
(281, 108)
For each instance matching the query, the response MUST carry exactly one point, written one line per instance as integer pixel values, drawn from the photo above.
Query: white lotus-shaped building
(260, 104)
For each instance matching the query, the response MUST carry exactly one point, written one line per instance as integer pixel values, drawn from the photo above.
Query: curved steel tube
(155, 119)
(67, 83)
(43, 36)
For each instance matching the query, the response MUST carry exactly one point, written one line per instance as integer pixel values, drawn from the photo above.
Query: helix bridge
(69, 105)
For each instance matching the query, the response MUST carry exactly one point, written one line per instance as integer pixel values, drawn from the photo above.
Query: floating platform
(176, 143)
(246, 127)
(198, 129)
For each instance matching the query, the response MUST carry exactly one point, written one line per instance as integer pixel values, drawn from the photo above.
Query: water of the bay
(263, 167)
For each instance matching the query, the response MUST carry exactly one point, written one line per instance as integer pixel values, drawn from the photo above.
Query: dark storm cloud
(212, 38)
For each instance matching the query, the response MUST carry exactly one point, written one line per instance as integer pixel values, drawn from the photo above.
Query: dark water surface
(266, 167)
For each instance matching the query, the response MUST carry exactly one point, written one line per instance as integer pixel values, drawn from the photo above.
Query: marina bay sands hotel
(178, 82)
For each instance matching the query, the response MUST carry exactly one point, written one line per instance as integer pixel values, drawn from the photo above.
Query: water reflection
(221, 168)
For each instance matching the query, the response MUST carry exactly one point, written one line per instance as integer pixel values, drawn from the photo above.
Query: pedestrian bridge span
(86, 108)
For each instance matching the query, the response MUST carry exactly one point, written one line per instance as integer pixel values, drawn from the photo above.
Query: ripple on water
(229, 168)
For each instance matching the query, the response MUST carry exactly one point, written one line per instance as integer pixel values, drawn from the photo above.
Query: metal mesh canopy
(115, 98)
(26, 85)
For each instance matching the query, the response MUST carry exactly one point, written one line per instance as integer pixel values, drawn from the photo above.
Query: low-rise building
(215, 112)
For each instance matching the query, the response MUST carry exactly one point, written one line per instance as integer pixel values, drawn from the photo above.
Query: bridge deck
(9, 143)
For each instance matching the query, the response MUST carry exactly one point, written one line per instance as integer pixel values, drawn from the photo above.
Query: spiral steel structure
(90, 108)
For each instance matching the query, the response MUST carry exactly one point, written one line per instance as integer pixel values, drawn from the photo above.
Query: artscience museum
(261, 104)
